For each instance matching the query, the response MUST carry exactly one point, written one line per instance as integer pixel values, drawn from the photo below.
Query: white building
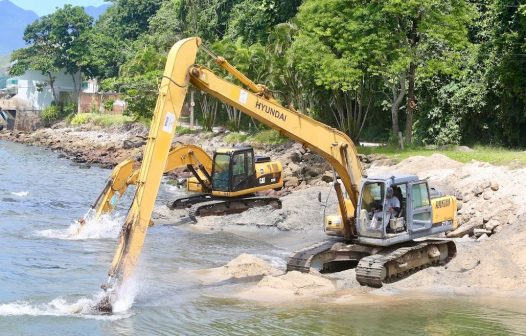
(31, 92)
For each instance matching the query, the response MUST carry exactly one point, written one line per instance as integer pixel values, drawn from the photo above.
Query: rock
(295, 157)
(459, 205)
(62, 156)
(483, 237)
(497, 229)
(467, 197)
(491, 225)
(464, 149)
(475, 222)
(327, 177)
(478, 190)
(486, 195)
(312, 171)
(494, 185)
(480, 232)
(364, 158)
(292, 181)
(135, 142)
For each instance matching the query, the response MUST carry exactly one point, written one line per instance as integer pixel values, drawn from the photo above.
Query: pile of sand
(288, 287)
(245, 266)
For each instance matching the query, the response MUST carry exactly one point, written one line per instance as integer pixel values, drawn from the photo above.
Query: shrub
(235, 138)
(80, 119)
(268, 137)
(50, 114)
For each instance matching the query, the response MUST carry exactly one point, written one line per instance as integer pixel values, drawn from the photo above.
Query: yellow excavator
(372, 232)
(225, 184)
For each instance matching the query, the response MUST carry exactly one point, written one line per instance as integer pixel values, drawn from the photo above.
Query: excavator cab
(233, 169)
(238, 170)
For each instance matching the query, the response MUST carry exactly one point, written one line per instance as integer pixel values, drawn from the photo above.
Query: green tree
(253, 21)
(503, 55)
(54, 44)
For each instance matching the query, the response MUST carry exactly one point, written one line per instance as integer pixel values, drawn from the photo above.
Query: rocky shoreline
(89, 145)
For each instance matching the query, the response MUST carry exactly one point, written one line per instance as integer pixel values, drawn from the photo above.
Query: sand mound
(288, 287)
(243, 267)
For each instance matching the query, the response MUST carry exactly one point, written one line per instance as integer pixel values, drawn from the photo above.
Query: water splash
(20, 193)
(103, 227)
(82, 308)
(125, 296)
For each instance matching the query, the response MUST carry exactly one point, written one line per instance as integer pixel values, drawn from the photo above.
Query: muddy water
(48, 278)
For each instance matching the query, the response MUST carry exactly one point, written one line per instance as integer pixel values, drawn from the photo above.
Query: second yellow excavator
(225, 184)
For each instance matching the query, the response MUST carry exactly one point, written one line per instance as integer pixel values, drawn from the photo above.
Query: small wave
(82, 308)
(20, 193)
(103, 227)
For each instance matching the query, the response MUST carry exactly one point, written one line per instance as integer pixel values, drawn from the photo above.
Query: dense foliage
(437, 71)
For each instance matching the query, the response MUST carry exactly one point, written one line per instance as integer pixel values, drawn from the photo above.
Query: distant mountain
(95, 12)
(13, 22)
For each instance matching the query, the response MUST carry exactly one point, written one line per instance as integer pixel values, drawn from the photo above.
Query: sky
(43, 7)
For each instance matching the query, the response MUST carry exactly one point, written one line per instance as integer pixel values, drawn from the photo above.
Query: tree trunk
(411, 103)
(52, 86)
(398, 96)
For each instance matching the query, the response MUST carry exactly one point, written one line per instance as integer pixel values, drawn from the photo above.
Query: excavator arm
(123, 175)
(335, 146)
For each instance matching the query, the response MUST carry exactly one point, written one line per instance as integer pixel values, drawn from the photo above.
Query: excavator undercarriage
(374, 265)
(209, 205)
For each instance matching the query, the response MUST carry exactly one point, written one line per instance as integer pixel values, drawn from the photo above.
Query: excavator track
(306, 258)
(230, 206)
(187, 202)
(392, 264)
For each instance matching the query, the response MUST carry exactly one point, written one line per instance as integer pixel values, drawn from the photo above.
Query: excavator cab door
(419, 211)
(243, 171)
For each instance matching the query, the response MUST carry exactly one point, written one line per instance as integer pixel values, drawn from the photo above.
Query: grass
(180, 130)
(233, 138)
(265, 137)
(494, 155)
(104, 120)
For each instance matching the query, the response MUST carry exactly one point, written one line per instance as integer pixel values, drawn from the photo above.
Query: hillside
(14, 20)
(96, 12)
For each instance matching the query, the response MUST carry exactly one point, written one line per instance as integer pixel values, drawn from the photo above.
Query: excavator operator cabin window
(221, 169)
(420, 195)
(250, 164)
(239, 169)
(372, 196)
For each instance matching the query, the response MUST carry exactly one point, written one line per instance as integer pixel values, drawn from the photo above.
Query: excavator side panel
(269, 173)
(172, 94)
(444, 209)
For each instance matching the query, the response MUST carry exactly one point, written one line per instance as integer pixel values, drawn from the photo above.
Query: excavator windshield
(220, 174)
